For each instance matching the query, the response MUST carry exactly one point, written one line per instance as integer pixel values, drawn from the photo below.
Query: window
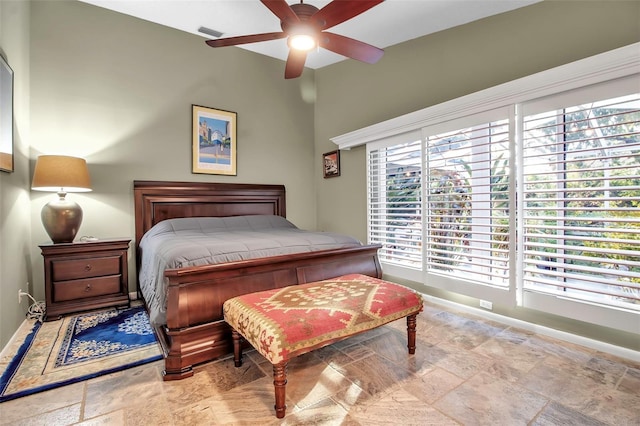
(524, 194)
(395, 201)
(467, 200)
(581, 197)
(439, 202)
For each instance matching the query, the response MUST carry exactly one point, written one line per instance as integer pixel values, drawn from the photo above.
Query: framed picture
(214, 141)
(331, 164)
(6, 116)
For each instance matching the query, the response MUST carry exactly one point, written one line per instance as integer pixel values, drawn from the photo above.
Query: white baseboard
(546, 331)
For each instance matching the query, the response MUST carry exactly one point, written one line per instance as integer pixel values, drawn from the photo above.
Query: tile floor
(466, 371)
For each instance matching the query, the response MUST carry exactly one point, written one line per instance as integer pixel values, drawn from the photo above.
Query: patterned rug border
(13, 368)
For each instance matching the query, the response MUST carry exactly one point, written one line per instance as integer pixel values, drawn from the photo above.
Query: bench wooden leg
(411, 333)
(279, 384)
(237, 348)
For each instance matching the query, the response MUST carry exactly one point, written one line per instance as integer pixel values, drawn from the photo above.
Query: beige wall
(447, 65)
(15, 234)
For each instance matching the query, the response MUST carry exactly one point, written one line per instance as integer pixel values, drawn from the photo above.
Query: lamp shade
(59, 173)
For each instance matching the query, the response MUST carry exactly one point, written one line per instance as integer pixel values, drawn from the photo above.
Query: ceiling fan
(305, 25)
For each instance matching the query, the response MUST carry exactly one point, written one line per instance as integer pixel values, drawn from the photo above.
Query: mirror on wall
(6, 116)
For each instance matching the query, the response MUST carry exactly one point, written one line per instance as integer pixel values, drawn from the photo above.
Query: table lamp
(58, 173)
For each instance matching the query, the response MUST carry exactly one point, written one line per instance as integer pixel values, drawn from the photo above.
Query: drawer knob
(87, 268)
(87, 288)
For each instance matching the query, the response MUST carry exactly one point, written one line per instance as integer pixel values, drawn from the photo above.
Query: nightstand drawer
(79, 289)
(64, 270)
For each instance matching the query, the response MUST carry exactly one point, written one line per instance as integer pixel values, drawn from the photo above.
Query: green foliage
(450, 210)
(595, 196)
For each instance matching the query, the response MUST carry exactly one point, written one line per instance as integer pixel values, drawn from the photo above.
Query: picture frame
(6, 116)
(214, 144)
(331, 164)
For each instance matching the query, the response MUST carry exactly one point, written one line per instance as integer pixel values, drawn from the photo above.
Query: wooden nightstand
(85, 275)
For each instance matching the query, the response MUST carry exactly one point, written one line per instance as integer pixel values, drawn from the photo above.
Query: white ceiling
(386, 24)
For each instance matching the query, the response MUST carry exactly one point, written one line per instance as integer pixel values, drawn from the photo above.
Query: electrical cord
(36, 310)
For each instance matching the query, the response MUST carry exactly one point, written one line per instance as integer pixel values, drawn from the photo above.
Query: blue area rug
(57, 353)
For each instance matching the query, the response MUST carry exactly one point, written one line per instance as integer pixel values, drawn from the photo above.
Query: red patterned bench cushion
(286, 322)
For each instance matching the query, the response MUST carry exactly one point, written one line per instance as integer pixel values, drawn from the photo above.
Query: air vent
(209, 31)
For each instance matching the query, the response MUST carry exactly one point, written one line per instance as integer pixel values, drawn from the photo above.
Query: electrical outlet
(486, 304)
(20, 294)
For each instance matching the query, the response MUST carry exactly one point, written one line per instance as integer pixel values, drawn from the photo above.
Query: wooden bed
(195, 331)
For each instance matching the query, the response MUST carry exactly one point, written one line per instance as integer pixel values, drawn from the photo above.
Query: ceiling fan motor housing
(304, 33)
(304, 13)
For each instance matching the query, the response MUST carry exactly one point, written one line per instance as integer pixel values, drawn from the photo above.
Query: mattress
(184, 242)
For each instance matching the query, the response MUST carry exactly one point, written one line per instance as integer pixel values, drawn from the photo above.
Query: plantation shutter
(394, 199)
(469, 205)
(580, 195)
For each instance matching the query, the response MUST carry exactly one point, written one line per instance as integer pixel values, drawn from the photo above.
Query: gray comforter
(178, 243)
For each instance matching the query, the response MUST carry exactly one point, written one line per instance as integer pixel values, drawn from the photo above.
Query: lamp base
(61, 219)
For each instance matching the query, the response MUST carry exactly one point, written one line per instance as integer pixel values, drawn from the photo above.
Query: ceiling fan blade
(339, 11)
(351, 48)
(232, 41)
(295, 63)
(281, 9)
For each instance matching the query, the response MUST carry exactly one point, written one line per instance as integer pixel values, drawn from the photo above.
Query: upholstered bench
(286, 322)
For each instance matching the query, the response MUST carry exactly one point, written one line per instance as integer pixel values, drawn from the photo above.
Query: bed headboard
(156, 201)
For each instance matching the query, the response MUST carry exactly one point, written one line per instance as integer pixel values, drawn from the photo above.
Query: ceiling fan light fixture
(303, 42)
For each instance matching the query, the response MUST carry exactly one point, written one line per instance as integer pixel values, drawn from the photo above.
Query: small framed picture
(214, 141)
(331, 164)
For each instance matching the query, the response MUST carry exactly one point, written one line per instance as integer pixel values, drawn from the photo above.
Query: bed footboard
(196, 332)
